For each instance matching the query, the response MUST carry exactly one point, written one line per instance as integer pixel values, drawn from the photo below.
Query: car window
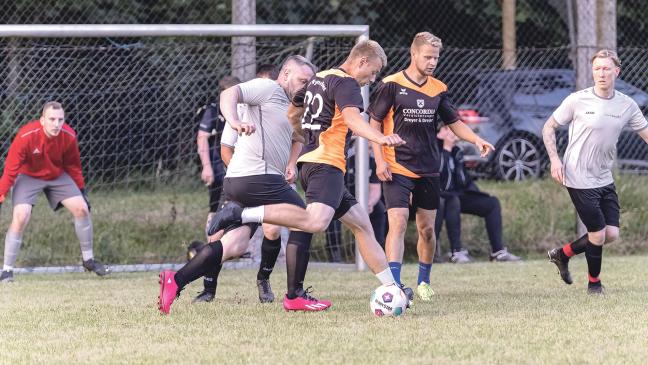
(542, 90)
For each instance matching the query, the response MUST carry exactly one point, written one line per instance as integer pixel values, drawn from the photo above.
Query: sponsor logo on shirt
(612, 115)
(413, 115)
(36, 151)
(403, 92)
(589, 113)
(420, 103)
(319, 83)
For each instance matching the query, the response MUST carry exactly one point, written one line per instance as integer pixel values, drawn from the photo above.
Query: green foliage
(119, 12)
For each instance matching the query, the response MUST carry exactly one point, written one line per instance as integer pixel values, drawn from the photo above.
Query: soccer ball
(388, 301)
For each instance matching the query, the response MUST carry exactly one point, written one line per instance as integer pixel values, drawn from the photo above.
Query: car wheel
(518, 159)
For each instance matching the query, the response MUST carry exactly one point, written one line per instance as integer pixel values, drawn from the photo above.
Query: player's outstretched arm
(229, 99)
(382, 169)
(461, 130)
(359, 126)
(549, 139)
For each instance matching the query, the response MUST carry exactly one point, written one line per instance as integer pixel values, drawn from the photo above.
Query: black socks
(269, 252)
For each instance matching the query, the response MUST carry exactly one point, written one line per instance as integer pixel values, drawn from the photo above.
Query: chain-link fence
(133, 101)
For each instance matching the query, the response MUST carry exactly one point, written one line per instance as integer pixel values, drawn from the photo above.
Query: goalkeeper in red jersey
(44, 156)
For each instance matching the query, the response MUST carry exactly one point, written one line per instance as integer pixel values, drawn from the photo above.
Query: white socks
(252, 215)
(386, 277)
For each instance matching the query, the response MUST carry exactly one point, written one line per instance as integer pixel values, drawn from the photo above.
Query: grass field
(482, 313)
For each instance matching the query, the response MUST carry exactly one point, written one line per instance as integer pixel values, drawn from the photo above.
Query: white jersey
(267, 150)
(596, 124)
(229, 135)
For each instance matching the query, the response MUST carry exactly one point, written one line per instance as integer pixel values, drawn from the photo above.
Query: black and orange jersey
(327, 135)
(412, 111)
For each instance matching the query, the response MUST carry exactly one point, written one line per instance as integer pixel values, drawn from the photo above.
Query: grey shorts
(26, 189)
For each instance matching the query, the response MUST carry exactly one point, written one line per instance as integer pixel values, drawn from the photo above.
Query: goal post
(9, 34)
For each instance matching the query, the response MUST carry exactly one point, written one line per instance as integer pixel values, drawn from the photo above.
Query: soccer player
(210, 130)
(460, 194)
(44, 156)
(328, 109)
(409, 103)
(255, 174)
(596, 116)
(271, 243)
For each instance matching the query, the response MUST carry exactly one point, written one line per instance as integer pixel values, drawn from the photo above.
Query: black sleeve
(381, 101)
(447, 111)
(298, 99)
(464, 181)
(346, 93)
(210, 118)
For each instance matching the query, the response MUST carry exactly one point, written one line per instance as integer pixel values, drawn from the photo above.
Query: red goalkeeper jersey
(34, 154)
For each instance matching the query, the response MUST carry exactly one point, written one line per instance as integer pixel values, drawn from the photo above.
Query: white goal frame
(361, 32)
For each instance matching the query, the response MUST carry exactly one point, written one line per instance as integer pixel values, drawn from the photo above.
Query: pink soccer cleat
(305, 302)
(168, 291)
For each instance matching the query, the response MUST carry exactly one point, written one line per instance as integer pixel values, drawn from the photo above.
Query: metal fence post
(362, 168)
(244, 48)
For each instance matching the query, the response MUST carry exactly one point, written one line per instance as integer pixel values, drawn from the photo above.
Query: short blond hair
(51, 104)
(606, 53)
(370, 49)
(426, 38)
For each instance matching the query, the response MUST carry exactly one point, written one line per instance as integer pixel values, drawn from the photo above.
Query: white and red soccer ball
(388, 301)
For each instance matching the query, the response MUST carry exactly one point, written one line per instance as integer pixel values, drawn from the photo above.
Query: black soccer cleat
(595, 288)
(193, 248)
(6, 276)
(409, 293)
(228, 216)
(562, 264)
(96, 267)
(205, 296)
(265, 291)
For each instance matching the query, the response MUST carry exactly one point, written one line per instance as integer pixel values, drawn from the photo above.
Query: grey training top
(267, 150)
(596, 124)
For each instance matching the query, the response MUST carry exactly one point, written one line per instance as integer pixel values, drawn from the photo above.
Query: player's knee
(319, 225)
(398, 220)
(611, 234)
(597, 238)
(272, 233)
(20, 220)
(316, 223)
(234, 247)
(80, 211)
(427, 233)
(452, 203)
(495, 204)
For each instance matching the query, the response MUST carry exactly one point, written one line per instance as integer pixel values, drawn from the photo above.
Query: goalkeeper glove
(84, 193)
